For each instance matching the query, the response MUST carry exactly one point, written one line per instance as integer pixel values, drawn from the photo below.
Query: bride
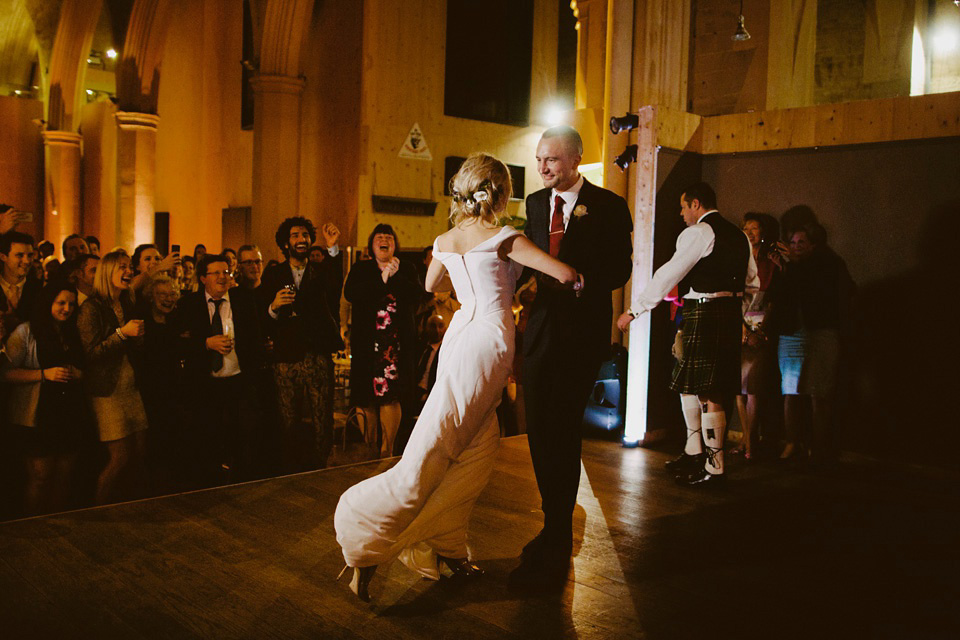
(418, 510)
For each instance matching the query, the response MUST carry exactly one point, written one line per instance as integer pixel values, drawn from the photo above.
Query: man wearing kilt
(712, 267)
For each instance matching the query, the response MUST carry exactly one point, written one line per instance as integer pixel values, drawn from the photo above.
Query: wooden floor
(855, 551)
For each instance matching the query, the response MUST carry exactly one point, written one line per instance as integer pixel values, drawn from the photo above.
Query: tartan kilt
(710, 358)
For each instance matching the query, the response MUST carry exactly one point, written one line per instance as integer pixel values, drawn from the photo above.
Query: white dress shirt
(693, 243)
(569, 200)
(231, 363)
(11, 290)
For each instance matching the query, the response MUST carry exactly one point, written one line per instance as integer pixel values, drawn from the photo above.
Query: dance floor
(854, 551)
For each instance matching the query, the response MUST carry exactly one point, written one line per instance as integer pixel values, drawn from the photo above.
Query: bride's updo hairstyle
(481, 189)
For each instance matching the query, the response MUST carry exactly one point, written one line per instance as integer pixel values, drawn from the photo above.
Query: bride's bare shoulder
(446, 241)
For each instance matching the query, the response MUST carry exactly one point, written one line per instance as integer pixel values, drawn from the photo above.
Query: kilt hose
(710, 339)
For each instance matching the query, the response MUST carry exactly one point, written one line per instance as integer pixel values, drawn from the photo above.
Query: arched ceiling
(22, 43)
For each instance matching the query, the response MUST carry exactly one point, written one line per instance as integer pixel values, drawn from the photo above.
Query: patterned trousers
(312, 379)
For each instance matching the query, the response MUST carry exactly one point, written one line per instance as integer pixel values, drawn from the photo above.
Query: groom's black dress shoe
(685, 464)
(540, 575)
(550, 544)
(533, 547)
(703, 478)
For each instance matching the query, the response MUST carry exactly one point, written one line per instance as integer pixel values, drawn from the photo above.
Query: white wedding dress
(421, 507)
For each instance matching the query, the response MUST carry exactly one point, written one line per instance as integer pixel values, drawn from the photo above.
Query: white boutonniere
(579, 211)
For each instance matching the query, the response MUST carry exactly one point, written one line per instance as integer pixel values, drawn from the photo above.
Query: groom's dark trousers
(567, 337)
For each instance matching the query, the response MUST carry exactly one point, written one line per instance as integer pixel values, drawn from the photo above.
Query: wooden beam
(868, 121)
(679, 130)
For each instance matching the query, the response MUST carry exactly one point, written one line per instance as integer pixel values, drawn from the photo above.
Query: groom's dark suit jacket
(597, 245)
(566, 339)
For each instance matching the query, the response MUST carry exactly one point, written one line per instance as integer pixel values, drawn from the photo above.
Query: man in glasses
(224, 349)
(251, 266)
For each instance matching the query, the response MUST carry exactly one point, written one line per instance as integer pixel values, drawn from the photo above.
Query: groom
(567, 334)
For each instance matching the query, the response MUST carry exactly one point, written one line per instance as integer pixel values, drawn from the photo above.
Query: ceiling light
(741, 34)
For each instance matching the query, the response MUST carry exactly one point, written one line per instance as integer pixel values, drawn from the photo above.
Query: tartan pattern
(711, 348)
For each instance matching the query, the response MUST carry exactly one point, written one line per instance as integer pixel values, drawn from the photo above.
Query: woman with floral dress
(384, 293)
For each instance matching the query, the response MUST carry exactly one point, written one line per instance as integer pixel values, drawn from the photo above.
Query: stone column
(136, 177)
(61, 160)
(276, 155)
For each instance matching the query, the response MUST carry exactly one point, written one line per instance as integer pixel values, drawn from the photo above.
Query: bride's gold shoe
(459, 567)
(360, 582)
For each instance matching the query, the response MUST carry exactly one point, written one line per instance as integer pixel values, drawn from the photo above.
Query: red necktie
(556, 227)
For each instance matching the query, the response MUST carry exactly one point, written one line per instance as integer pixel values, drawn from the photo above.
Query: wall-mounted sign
(415, 146)
(404, 206)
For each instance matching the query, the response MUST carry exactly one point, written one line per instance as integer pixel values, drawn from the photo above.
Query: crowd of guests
(128, 374)
(792, 331)
(161, 373)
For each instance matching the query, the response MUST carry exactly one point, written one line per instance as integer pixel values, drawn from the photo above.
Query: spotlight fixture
(741, 35)
(112, 53)
(95, 59)
(625, 122)
(624, 159)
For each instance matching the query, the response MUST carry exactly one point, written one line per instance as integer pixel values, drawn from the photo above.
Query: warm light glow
(55, 212)
(554, 114)
(592, 172)
(90, 92)
(946, 40)
(918, 66)
(111, 53)
(638, 378)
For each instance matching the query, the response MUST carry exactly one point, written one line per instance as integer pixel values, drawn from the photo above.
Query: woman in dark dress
(384, 293)
(47, 409)
(160, 383)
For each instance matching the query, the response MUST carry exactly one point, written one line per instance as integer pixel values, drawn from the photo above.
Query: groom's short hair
(569, 135)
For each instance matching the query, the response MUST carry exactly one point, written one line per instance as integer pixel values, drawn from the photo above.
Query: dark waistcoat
(725, 269)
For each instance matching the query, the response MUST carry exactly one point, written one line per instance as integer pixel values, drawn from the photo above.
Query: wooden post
(616, 102)
(644, 207)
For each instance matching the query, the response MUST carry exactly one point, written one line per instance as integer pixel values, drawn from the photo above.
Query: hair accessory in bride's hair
(471, 200)
(481, 194)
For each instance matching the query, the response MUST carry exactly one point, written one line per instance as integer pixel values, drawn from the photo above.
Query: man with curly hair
(301, 302)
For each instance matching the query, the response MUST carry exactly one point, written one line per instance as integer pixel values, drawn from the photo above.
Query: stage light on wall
(554, 115)
(624, 159)
(945, 40)
(625, 122)
(741, 34)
